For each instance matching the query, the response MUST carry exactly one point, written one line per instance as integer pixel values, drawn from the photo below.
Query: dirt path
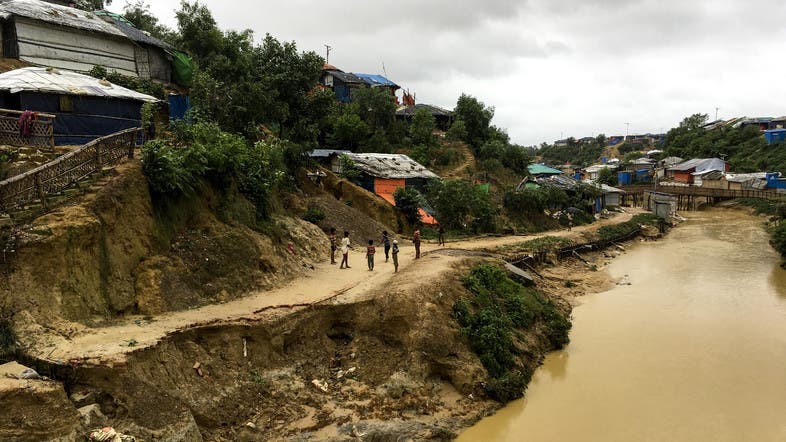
(326, 283)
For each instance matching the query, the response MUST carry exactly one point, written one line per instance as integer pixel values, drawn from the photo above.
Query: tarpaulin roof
(49, 80)
(540, 169)
(56, 14)
(375, 80)
(700, 164)
(382, 165)
(324, 153)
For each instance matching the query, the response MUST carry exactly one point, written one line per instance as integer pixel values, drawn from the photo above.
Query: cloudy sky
(551, 68)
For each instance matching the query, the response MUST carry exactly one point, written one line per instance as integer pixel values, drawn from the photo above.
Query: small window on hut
(66, 103)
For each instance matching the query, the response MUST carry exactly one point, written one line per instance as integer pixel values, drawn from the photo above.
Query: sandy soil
(325, 283)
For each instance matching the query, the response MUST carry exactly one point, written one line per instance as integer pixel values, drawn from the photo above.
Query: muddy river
(693, 350)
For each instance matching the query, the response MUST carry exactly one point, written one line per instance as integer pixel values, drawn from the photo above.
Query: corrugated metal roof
(134, 33)
(36, 79)
(398, 166)
(434, 110)
(56, 14)
(346, 77)
(375, 80)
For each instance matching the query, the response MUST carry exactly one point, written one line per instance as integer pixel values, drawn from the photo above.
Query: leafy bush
(144, 86)
(778, 239)
(348, 167)
(490, 320)
(457, 131)
(202, 151)
(408, 201)
(314, 215)
(6, 157)
(447, 156)
(7, 337)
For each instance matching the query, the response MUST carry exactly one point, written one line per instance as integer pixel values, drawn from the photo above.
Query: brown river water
(693, 350)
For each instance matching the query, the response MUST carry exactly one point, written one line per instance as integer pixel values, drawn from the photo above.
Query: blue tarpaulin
(178, 106)
(375, 80)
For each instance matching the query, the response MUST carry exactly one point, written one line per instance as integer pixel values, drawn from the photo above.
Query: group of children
(370, 250)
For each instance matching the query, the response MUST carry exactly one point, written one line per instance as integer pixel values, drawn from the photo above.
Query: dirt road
(325, 283)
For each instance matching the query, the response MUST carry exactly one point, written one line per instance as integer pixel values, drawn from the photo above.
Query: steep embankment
(116, 253)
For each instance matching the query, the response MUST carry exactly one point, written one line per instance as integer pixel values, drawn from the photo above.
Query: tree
(376, 106)
(461, 205)
(139, 14)
(348, 131)
(91, 5)
(422, 128)
(476, 117)
(408, 201)
(600, 140)
(607, 176)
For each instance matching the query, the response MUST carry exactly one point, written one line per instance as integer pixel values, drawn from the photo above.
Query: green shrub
(314, 215)
(408, 201)
(778, 239)
(200, 151)
(490, 320)
(509, 387)
(7, 337)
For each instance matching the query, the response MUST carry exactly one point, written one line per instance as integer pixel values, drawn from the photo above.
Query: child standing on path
(416, 241)
(386, 243)
(441, 239)
(333, 245)
(345, 246)
(370, 254)
(395, 255)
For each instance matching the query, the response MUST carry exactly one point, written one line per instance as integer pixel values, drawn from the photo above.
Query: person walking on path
(333, 245)
(441, 239)
(416, 241)
(386, 243)
(370, 250)
(345, 246)
(395, 255)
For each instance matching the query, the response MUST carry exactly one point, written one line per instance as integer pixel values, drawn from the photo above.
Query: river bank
(692, 349)
(382, 357)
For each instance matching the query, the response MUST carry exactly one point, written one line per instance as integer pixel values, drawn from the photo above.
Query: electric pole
(327, 55)
(627, 129)
(716, 113)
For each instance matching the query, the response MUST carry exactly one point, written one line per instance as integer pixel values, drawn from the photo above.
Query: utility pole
(716, 113)
(327, 55)
(627, 129)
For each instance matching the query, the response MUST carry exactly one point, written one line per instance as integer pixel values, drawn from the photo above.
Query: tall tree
(476, 117)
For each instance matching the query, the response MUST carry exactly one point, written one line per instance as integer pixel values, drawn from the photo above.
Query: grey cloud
(595, 63)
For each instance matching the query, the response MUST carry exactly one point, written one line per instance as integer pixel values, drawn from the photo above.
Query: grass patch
(762, 206)
(609, 233)
(497, 311)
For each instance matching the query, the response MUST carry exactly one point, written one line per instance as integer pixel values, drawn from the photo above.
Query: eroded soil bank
(387, 363)
(122, 322)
